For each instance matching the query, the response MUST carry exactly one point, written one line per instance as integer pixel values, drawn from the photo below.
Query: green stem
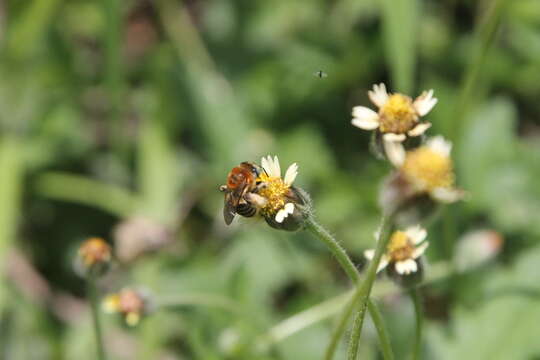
(361, 296)
(113, 66)
(341, 255)
(417, 346)
(94, 304)
(378, 321)
(485, 37)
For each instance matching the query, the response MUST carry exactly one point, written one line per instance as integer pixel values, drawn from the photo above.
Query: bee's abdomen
(246, 210)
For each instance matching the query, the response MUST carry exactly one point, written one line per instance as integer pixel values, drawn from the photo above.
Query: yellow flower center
(428, 169)
(398, 115)
(400, 247)
(274, 192)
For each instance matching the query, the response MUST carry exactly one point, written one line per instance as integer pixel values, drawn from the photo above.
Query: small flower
(398, 116)
(94, 257)
(279, 202)
(428, 168)
(403, 250)
(130, 303)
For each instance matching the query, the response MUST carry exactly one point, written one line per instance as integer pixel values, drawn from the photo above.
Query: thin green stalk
(485, 36)
(113, 66)
(94, 304)
(361, 297)
(378, 321)
(417, 345)
(318, 231)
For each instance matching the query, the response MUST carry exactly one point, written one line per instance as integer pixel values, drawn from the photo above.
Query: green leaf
(400, 23)
(498, 171)
(503, 326)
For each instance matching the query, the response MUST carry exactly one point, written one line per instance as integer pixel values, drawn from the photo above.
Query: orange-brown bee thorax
(238, 176)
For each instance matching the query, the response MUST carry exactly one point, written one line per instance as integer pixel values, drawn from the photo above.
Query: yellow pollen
(274, 192)
(398, 115)
(428, 168)
(400, 247)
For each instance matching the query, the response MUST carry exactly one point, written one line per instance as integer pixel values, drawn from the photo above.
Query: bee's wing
(229, 209)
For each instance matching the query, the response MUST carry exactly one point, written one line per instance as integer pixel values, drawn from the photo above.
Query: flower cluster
(424, 174)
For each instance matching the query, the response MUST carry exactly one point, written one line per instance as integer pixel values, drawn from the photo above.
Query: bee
(241, 180)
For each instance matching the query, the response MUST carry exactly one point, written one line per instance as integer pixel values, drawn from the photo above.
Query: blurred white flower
(476, 248)
(398, 116)
(403, 250)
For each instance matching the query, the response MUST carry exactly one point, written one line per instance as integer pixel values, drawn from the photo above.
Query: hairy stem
(94, 304)
(417, 345)
(360, 298)
(341, 255)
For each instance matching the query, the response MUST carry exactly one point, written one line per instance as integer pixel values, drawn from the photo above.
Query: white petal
(368, 254)
(406, 267)
(395, 152)
(419, 129)
(277, 168)
(378, 96)
(394, 137)
(265, 163)
(289, 208)
(290, 174)
(365, 124)
(365, 118)
(271, 166)
(283, 213)
(440, 145)
(425, 102)
(416, 233)
(447, 195)
(420, 250)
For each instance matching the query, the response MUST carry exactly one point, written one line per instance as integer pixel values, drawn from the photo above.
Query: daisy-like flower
(398, 116)
(130, 303)
(403, 250)
(428, 168)
(275, 198)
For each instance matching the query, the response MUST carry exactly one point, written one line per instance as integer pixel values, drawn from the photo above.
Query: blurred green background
(120, 119)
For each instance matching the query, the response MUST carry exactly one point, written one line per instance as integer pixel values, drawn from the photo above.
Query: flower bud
(93, 258)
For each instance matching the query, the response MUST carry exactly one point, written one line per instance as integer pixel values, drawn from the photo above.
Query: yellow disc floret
(401, 247)
(428, 168)
(274, 191)
(397, 115)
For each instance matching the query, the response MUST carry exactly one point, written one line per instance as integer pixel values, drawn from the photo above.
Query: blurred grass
(115, 110)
